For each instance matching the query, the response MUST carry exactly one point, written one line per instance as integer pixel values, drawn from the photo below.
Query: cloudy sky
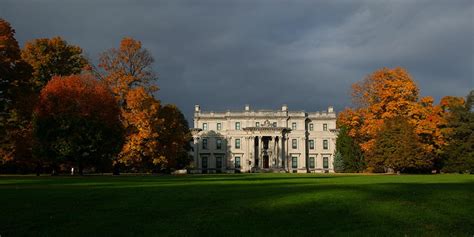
(224, 54)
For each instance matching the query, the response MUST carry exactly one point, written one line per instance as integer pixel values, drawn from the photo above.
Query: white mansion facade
(263, 140)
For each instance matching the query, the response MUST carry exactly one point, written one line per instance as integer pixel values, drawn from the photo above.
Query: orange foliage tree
(127, 71)
(77, 121)
(387, 94)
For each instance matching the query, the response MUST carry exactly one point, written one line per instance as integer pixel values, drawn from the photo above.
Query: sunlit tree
(77, 121)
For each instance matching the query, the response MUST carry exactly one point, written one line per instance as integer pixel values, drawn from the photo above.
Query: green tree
(397, 148)
(15, 97)
(52, 57)
(459, 153)
(174, 138)
(349, 152)
(77, 121)
(338, 162)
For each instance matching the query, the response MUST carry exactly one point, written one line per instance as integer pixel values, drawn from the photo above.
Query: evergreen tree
(349, 150)
(459, 153)
(338, 162)
(397, 148)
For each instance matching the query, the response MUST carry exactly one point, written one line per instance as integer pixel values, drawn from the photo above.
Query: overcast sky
(225, 54)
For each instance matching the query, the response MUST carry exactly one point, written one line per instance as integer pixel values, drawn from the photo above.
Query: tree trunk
(38, 169)
(116, 169)
(81, 168)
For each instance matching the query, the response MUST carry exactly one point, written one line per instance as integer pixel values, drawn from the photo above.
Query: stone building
(263, 140)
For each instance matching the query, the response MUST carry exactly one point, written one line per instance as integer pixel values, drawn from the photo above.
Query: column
(196, 153)
(279, 151)
(248, 158)
(302, 149)
(257, 158)
(285, 153)
(229, 158)
(274, 155)
(260, 152)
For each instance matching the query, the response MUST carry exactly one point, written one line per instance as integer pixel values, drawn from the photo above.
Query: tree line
(391, 129)
(58, 110)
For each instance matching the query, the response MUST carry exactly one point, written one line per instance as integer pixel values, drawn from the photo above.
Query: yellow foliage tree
(127, 71)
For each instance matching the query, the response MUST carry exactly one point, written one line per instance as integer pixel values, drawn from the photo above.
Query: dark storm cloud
(224, 54)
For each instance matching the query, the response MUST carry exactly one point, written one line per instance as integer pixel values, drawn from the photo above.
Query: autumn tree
(174, 138)
(459, 152)
(387, 94)
(77, 121)
(15, 95)
(52, 57)
(397, 148)
(127, 72)
(141, 150)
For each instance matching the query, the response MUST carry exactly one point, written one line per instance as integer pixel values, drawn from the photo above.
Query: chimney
(197, 109)
(284, 108)
(330, 109)
(247, 107)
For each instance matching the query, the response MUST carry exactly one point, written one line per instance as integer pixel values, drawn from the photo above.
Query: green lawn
(245, 204)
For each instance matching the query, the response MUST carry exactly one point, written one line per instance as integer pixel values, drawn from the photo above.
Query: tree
(77, 121)
(15, 97)
(349, 151)
(174, 138)
(52, 57)
(338, 163)
(127, 71)
(459, 153)
(386, 94)
(141, 119)
(126, 68)
(397, 148)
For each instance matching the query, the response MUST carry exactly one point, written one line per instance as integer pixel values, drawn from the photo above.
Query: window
(204, 144)
(257, 124)
(311, 144)
(293, 126)
(274, 124)
(325, 144)
(237, 143)
(204, 126)
(237, 162)
(294, 144)
(294, 162)
(218, 162)
(237, 125)
(325, 163)
(219, 126)
(311, 127)
(219, 144)
(325, 127)
(311, 163)
(204, 162)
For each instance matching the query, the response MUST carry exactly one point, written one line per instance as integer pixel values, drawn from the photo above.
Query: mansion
(263, 141)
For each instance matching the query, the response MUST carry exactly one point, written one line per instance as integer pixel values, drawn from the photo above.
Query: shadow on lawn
(275, 205)
(388, 209)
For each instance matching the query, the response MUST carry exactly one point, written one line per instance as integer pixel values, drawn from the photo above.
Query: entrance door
(265, 162)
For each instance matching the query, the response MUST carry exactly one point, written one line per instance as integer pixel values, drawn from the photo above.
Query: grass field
(238, 205)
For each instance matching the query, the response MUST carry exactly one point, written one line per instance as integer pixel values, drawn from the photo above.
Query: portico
(266, 149)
